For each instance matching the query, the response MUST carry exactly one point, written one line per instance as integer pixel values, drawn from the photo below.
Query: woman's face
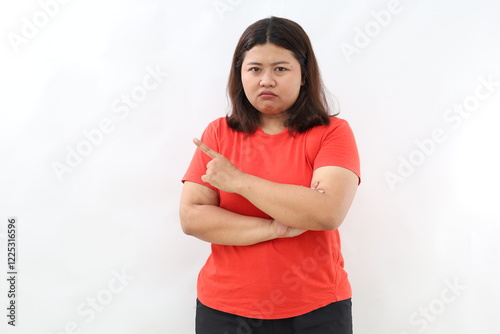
(271, 78)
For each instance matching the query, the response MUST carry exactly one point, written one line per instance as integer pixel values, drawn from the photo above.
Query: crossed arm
(294, 208)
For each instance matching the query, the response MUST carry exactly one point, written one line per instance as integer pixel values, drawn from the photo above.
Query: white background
(421, 250)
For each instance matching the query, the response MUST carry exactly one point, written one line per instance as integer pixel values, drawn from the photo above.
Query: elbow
(329, 225)
(330, 222)
(332, 216)
(186, 224)
(186, 228)
(193, 218)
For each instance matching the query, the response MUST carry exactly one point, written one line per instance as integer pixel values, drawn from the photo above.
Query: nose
(267, 80)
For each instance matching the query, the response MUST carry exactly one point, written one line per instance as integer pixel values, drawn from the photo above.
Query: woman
(268, 187)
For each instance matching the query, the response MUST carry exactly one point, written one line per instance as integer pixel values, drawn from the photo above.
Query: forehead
(268, 53)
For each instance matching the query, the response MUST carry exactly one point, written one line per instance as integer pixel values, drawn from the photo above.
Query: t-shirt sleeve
(338, 148)
(198, 165)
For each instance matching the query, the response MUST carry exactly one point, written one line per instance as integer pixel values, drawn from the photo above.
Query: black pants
(335, 318)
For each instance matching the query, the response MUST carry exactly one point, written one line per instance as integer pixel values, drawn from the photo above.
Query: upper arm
(193, 195)
(197, 194)
(339, 185)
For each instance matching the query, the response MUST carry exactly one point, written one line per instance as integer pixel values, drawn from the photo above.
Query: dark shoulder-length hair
(310, 109)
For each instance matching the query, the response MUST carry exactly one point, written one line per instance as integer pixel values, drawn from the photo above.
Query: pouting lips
(267, 93)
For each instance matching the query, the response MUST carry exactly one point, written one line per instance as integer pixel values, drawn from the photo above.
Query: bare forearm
(293, 205)
(219, 226)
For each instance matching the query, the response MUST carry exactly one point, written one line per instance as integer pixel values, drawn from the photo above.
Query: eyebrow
(275, 63)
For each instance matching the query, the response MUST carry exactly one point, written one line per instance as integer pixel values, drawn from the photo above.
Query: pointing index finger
(207, 150)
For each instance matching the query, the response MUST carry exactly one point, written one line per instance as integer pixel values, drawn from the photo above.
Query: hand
(284, 231)
(221, 173)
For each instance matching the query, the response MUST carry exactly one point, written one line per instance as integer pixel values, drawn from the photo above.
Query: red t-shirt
(285, 277)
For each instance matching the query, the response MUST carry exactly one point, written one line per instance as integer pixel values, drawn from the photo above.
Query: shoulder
(218, 123)
(219, 134)
(337, 123)
(337, 126)
(215, 127)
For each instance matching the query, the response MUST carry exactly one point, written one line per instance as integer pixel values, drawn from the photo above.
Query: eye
(280, 69)
(254, 69)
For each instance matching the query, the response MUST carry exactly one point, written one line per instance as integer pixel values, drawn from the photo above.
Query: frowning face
(271, 78)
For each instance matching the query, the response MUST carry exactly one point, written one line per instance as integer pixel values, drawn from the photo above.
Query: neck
(272, 124)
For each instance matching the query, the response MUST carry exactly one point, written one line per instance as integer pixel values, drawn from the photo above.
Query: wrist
(273, 230)
(278, 230)
(242, 183)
